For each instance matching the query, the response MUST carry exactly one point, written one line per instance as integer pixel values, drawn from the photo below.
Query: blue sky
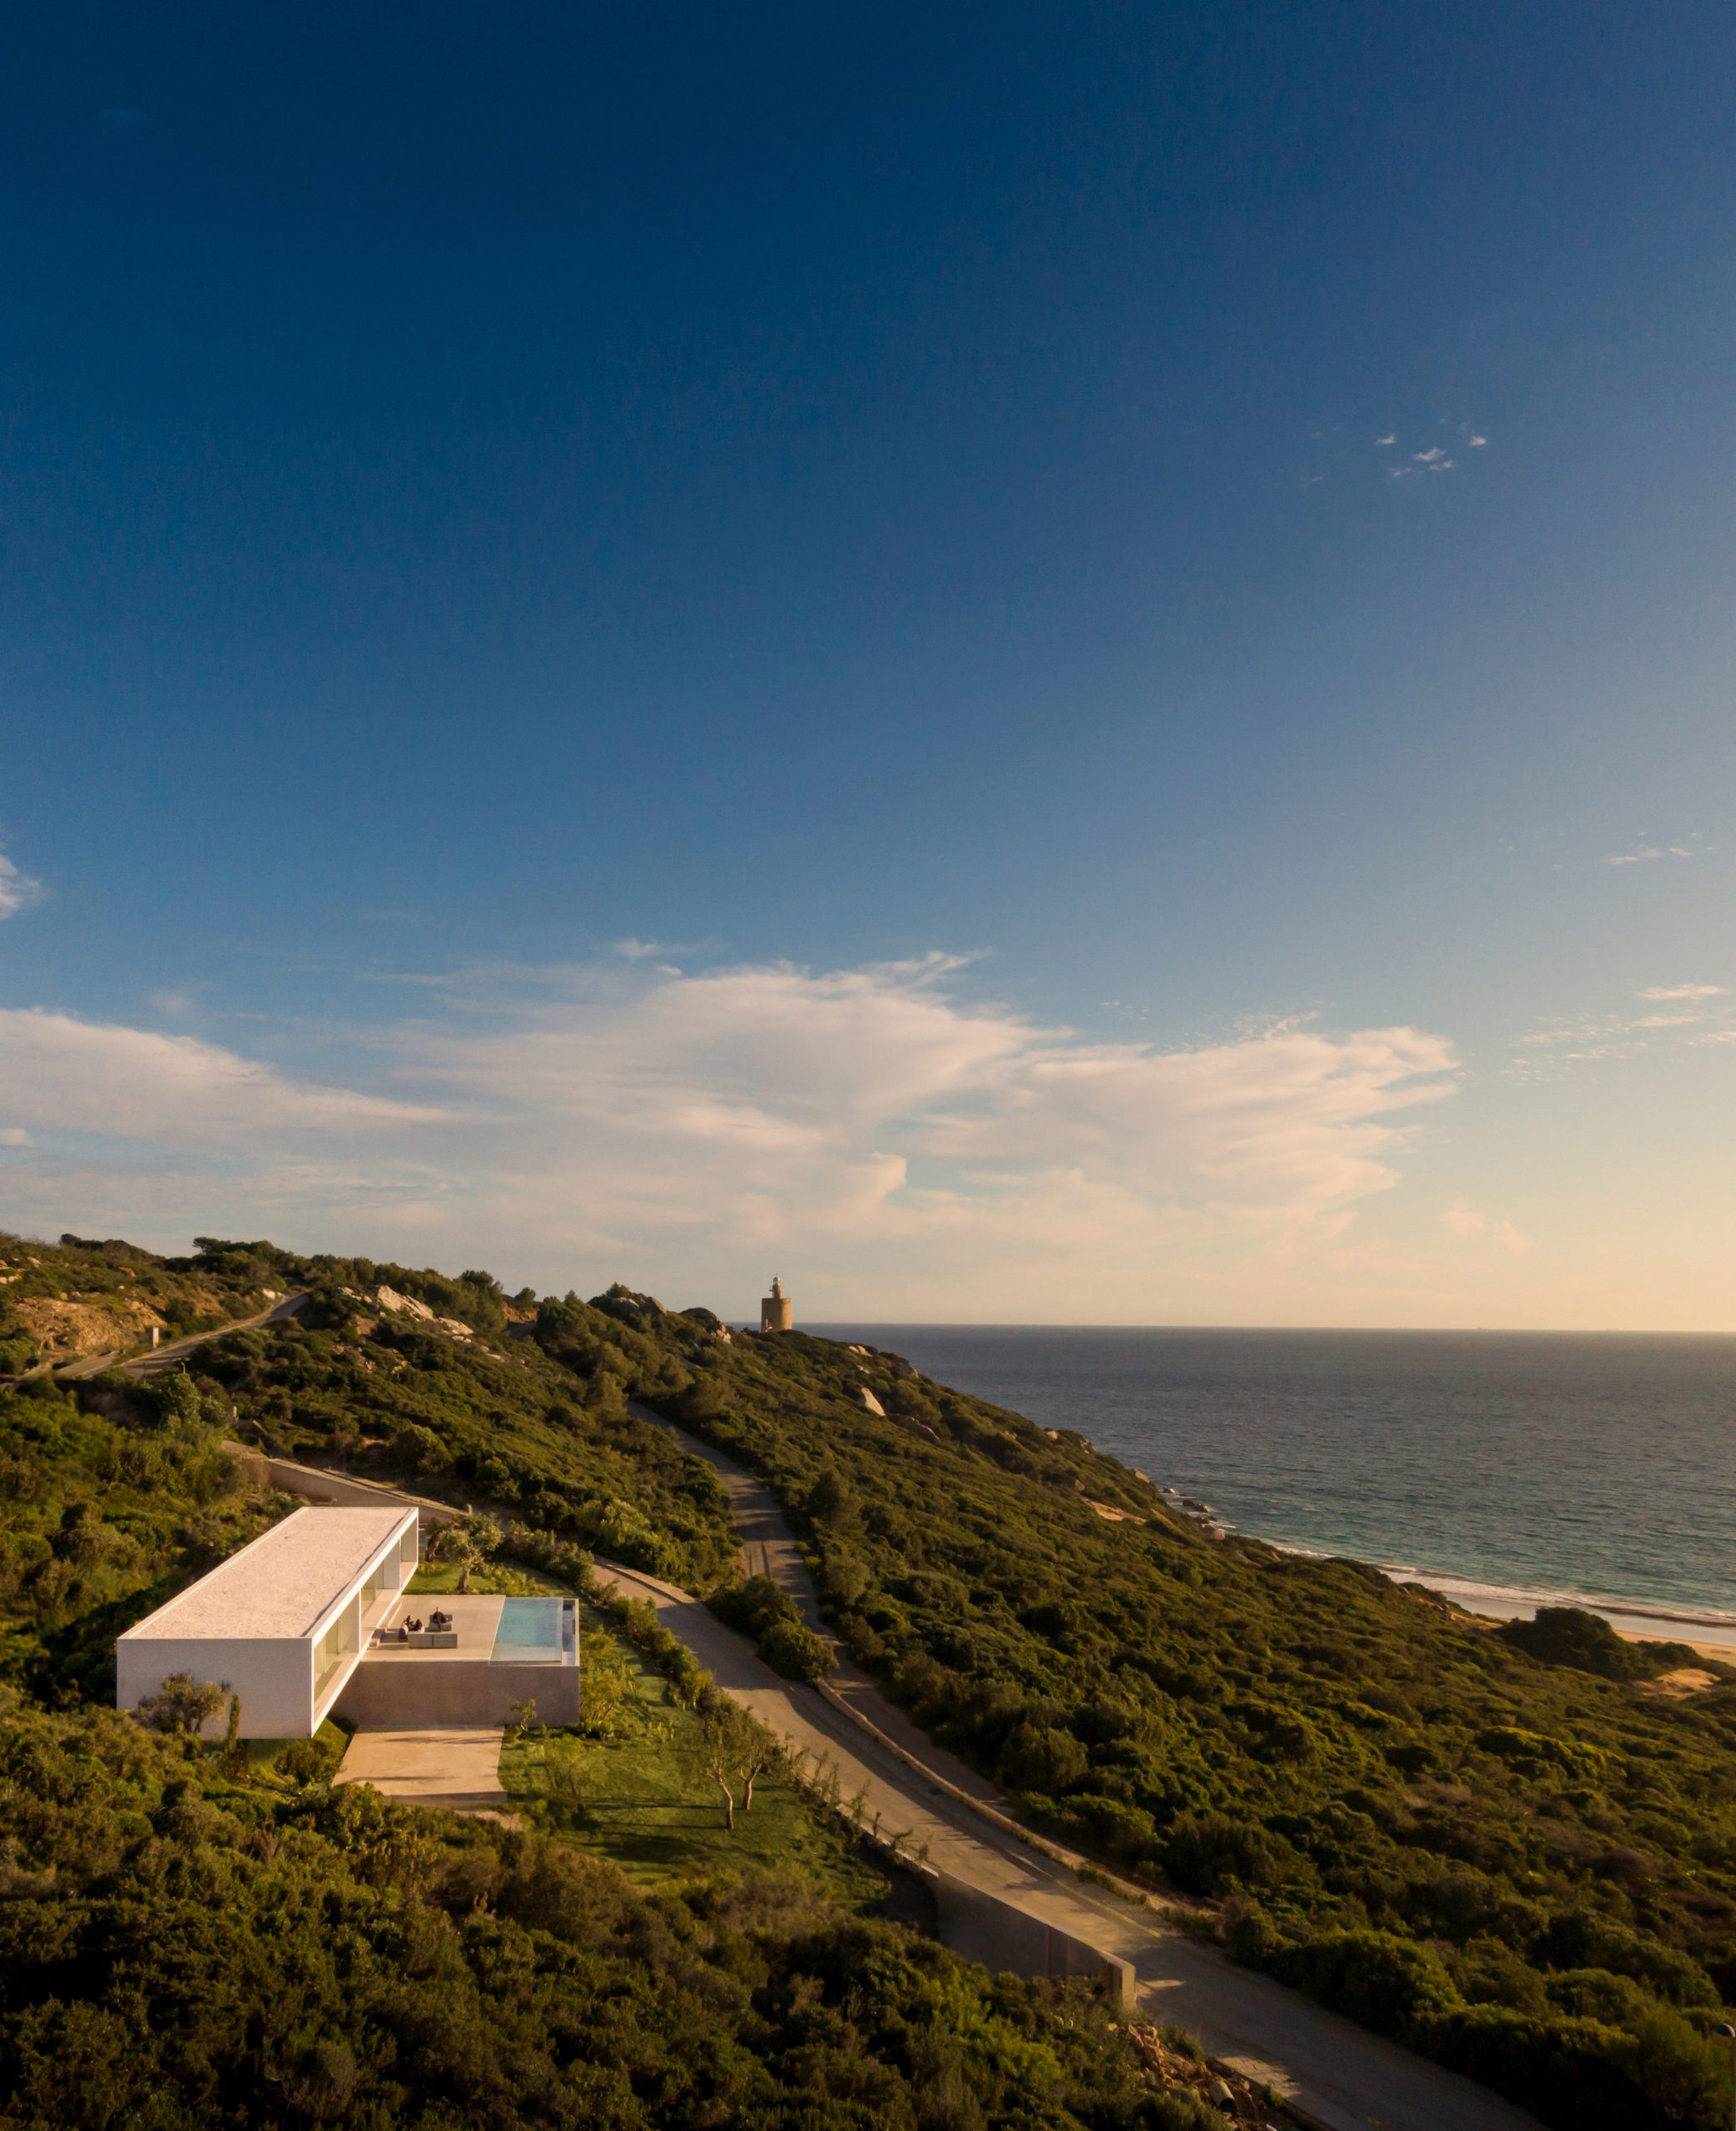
(888, 514)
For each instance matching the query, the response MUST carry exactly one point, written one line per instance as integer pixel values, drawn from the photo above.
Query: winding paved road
(770, 1548)
(1339, 2074)
(155, 1360)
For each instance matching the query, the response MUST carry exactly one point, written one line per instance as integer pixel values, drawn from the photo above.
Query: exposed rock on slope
(66, 1329)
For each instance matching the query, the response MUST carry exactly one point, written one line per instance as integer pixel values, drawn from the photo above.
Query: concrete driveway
(456, 1767)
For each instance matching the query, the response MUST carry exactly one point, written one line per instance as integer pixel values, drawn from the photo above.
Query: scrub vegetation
(214, 1936)
(108, 1505)
(186, 1944)
(1507, 1848)
(1504, 1848)
(80, 1297)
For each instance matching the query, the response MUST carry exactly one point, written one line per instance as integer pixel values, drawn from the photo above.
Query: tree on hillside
(737, 1752)
(468, 1540)
(182, 1704)
(605, 1685)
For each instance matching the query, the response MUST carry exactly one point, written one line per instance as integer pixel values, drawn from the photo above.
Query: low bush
(758, 1608)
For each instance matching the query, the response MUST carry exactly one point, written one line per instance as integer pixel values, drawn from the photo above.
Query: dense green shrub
(793, 1648)
(1211, 1853)
(759, 1609)
(1391, 1985)
(1657, 2077)
(1568, 1635)
(183, 1946)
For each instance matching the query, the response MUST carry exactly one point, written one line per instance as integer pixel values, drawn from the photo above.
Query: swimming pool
(529, 1633)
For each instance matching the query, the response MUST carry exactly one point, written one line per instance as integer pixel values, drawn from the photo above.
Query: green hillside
(1514, 1865)
(195, 1937)
(182, 1946)
(1512, 1851)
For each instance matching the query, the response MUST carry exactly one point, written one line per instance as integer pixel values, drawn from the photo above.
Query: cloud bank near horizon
(871, 1126)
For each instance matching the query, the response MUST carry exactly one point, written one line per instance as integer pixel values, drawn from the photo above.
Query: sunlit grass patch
(642, 1797)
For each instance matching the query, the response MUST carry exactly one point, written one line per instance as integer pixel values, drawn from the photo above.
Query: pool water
(529, 1632)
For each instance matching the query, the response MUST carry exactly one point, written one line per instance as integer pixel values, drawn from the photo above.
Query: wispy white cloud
(14, 1135)
(1467, 1223)
(17, 890)
(871, 1120)
(63, 1074)
(1645, 851)
(1391, 437)
(1546, 1051)
(1476, 443)
(1428, 458)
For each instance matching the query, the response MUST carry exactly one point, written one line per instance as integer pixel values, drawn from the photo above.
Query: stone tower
(777, 1312)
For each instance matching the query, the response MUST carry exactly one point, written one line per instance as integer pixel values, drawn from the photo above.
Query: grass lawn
(263, 1754)
(643, 1799)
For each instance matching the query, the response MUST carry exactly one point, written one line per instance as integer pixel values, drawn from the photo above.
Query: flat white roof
(279, 1585)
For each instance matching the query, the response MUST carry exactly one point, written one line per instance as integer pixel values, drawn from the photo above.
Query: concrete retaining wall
(403, 1694)
(984, 1928)
(313, 1485)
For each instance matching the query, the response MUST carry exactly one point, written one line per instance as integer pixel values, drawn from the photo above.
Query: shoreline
(1703, 1628)
(1713, 1633)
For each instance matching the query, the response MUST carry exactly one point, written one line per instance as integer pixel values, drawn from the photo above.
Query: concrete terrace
(475, 1622)
(454, 1768)
(477, 1681)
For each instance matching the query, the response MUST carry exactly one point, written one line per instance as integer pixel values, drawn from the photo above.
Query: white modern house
(283, 1623)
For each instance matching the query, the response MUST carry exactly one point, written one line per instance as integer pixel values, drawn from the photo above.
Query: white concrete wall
(274, 1677)
(396, 1564)
(274, 1680)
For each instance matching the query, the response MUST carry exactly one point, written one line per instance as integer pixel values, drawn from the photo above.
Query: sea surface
(1510, 1468)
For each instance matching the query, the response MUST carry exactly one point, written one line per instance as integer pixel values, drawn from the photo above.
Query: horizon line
(1487, 1331)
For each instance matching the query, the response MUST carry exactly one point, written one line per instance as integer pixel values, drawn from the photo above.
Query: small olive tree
(737, 1752)
(468, 1540)
(181, 1704)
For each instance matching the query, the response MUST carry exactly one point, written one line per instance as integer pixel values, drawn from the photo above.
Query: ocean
(1509, 1469)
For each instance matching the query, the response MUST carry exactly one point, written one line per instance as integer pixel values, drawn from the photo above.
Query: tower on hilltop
(777, 1312)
